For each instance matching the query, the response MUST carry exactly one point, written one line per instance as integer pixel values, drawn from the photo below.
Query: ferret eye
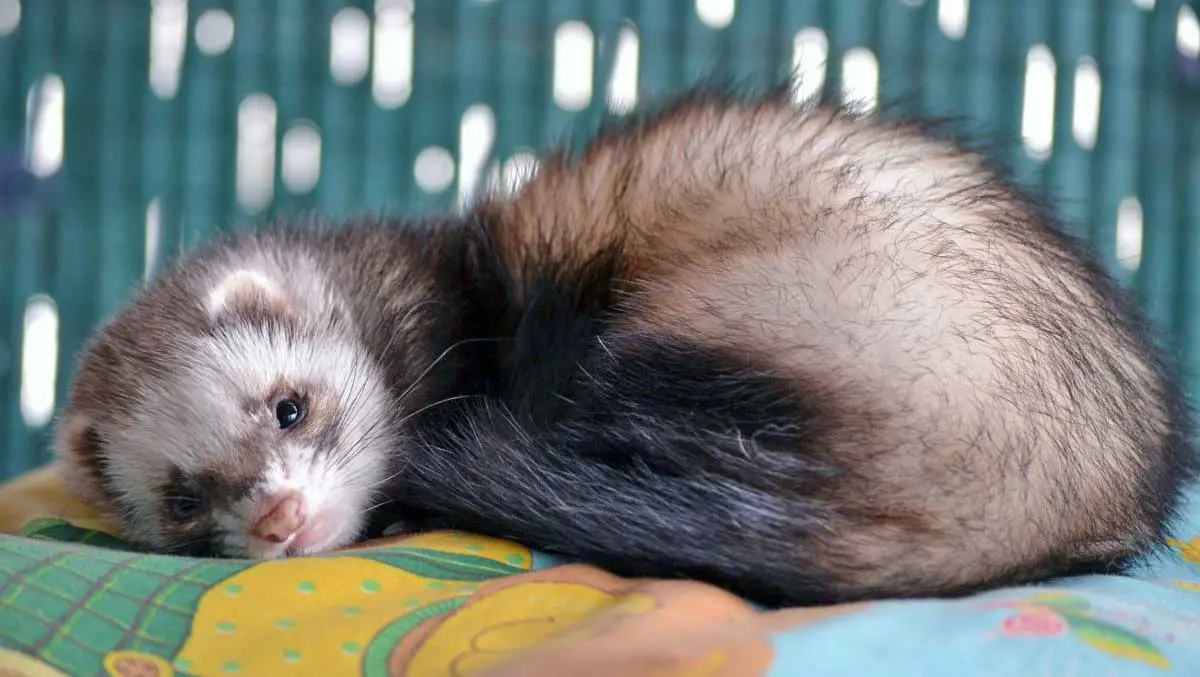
(288, 412)
(185, 507)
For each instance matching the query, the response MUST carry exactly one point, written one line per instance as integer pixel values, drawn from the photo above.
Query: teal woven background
(158, 144)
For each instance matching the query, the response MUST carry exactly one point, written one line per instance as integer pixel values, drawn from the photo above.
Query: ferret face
(264, 433)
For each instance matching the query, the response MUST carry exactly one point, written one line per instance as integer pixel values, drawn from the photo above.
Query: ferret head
(230, 409)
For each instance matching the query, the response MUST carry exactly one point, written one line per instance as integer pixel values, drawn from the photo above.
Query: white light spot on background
(10, 16)
(45, 109)
(520, 167)
(622, 90)
(393, 68)
(256, 152)
(1086, 113)
(300, 157)
(1129, 233)
(214, 32)
(39, 360)
(349, 46)
(1187, 33)
(574, 47)
(952, 18)
(716, 13)
(810, 56)
(860, 78)
(153, 234)
(434, 169)
(477, 132)
(1144, 4)
(1037, 116)
(168, 40)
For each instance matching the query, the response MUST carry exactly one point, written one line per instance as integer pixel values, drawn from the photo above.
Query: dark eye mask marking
(187, 508)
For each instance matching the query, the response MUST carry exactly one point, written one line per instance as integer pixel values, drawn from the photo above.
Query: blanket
(77, 600)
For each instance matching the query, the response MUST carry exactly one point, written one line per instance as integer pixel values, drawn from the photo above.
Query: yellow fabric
(74, 601)
(321, 616)
(41, 493)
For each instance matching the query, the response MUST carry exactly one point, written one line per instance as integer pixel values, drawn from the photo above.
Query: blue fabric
(1148, 624)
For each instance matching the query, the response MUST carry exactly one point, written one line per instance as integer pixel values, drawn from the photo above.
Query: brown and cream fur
(806, 354)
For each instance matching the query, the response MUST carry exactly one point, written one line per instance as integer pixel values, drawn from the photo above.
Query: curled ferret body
(804, 354)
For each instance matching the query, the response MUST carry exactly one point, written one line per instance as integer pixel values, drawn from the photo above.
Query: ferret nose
(283, 517)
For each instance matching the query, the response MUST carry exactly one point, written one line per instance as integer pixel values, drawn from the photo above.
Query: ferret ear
(248, 294)
(83, 458)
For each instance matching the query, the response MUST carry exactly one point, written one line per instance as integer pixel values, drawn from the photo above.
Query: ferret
(805, 353)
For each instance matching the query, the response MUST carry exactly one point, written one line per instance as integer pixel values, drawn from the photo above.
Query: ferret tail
(707, 479)
(594, 496)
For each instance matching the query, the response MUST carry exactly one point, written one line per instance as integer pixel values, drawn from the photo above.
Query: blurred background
(129, 129)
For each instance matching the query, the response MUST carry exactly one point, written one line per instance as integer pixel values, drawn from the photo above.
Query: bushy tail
(680, 470)
(595, 497)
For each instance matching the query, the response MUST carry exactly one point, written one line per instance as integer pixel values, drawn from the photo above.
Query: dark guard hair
(678, 394)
